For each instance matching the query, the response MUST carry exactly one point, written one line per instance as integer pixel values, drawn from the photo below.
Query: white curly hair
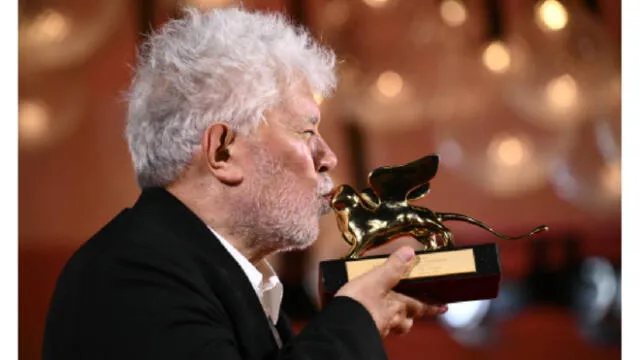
(225, 65)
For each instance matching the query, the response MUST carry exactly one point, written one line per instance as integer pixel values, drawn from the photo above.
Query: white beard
(277, 214)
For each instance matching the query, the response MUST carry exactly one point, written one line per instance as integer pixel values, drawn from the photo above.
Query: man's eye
(309, 132)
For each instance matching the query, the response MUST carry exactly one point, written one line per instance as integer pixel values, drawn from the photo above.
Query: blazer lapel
(225, 276)
(284, 328)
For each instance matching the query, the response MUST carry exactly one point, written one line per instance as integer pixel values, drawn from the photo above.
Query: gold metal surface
(382, 212)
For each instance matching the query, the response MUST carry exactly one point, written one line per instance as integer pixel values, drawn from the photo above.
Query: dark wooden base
(449, 278)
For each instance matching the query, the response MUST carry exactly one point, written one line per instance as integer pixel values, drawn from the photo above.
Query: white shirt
(264, 280)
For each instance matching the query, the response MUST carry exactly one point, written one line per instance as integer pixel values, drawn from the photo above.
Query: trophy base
(444, 276)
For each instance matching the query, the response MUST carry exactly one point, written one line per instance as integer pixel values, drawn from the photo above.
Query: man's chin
(305, 241)
(325, 209)
(298, 246)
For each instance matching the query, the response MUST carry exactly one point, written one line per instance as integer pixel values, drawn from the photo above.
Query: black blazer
(156, 284)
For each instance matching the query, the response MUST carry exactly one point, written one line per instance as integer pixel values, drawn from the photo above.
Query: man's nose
(327, 159)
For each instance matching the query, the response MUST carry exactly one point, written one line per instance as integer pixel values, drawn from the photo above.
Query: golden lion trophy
(443, 273)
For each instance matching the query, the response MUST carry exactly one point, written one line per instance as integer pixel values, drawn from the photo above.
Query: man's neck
(215, 216)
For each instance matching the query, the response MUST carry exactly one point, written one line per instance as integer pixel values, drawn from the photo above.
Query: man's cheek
(300, 158)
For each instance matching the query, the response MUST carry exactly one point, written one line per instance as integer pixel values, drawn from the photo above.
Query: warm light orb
(376, 3)
(562, 92)
(389, 84)
(34, 120)
(551, 15)
(496, 57)
(50, 26)
(62, 34)
(453, 12)
(507, 150)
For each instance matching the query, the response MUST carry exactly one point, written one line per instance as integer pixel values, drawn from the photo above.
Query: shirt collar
(262, 277)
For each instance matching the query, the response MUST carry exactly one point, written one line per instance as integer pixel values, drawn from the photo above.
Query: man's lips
(326, 201)
(331, 193)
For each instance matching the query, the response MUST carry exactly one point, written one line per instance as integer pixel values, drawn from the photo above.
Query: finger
(416, 308)
(386, 276)
(395, 307)
(406, 325)
(435, 310)
(390, 325)
(402, 326)
(396, 320)
(413, 307)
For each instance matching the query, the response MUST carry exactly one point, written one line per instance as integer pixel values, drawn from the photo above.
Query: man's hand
(391, 311)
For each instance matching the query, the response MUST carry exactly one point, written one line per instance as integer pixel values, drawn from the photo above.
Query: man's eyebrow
(313, 119)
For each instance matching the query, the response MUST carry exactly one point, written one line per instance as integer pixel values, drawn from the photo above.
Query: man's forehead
(304, 106)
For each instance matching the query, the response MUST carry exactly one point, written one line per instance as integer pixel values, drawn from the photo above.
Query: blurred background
(521, 99)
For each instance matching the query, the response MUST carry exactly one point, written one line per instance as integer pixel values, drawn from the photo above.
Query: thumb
(391, 271)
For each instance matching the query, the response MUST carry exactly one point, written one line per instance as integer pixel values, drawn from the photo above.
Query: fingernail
(406, 254)
(443, 309)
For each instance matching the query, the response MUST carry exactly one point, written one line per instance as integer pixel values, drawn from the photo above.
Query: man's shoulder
(121, 258)
(126, 237)
(123, 286)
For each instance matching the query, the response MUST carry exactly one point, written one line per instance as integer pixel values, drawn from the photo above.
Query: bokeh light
(453, 12)
(504, 157)
(376, 3)
(496, 57)
(551, 15)
(50, 109)
(389, 84)
(60, 34)
(558, 80)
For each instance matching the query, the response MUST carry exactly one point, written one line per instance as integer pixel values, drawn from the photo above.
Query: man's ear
(217, 147)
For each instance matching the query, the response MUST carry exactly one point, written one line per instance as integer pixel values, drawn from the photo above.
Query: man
(223, 130)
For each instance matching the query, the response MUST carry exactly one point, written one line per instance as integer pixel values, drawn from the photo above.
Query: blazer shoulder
(128, 239)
